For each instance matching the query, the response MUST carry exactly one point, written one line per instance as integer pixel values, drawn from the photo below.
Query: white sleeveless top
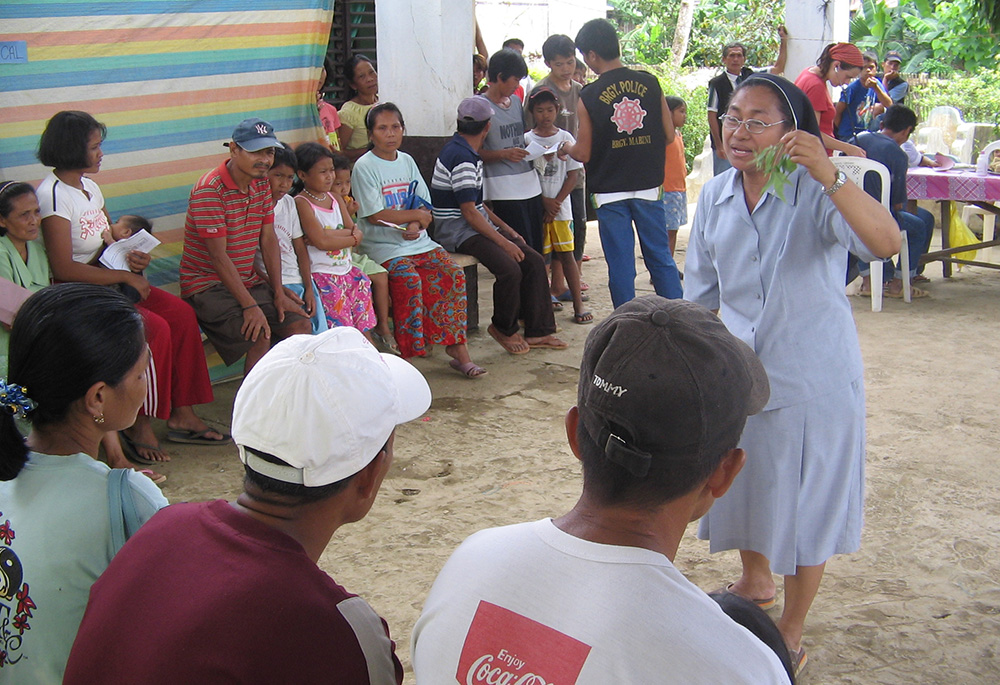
(336, 262)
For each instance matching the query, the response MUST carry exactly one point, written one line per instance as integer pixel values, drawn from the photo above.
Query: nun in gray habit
(770, 259)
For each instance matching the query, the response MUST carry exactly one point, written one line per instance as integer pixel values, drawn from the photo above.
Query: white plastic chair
(855, 168)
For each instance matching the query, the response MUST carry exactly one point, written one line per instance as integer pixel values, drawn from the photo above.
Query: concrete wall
(811, 25)
(534, 20)
(425, 61)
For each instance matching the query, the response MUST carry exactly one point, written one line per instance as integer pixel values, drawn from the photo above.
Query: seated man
(593, 597)
(230, 591)
(463, 224)
(884, 146)
(229, 216)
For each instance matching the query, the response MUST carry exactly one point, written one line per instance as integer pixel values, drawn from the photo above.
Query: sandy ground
(919, 603)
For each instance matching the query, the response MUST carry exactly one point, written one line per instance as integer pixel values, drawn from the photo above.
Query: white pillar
(811, 26)
(425, 60)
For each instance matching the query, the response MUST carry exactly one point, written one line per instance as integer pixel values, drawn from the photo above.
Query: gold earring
(99, 419)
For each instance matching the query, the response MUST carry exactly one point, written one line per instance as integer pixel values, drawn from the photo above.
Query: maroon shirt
(204, 593)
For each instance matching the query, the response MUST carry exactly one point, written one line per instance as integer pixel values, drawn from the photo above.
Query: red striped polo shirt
(219, 209)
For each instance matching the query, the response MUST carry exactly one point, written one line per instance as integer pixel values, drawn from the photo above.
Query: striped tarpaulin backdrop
(170, 79)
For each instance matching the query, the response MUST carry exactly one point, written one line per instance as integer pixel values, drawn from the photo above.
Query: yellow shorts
(557, 236)
(367, 265)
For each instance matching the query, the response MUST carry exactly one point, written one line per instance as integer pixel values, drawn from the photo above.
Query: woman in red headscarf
(838, 64)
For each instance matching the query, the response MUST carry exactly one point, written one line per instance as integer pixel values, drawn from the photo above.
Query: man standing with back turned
(624, 128)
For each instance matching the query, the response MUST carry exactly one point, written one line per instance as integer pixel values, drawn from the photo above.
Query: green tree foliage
(695, 130)
(645, 28)
(975, 95)
(718, 22)
(937, 38)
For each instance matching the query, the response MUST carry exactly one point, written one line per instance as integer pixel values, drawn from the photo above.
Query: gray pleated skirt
(800, 498)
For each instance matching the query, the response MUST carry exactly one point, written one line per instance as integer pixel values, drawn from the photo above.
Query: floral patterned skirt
(428, 301)
(347, 299)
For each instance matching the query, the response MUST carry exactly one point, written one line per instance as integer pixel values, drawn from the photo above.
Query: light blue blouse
(380, 184)
(777, 278)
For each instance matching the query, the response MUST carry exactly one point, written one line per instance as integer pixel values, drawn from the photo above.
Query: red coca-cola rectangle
(504, 647)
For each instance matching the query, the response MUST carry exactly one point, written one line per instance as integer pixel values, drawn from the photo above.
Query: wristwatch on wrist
(837, 184)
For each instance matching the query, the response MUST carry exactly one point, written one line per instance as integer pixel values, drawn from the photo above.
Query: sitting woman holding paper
(427, 289)
(73, 220)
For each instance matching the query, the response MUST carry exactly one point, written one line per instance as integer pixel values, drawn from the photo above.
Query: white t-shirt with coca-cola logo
(531, 605)
(85, 214)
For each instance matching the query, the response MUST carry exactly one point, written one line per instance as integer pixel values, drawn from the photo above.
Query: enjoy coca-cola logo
(505, 648)
(483, 671)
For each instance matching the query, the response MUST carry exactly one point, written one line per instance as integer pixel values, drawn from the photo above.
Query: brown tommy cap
(666, 377)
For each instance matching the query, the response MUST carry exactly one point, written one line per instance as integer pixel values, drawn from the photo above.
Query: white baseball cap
(324, 404)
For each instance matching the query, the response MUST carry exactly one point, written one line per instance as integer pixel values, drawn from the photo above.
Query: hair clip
(14, 399)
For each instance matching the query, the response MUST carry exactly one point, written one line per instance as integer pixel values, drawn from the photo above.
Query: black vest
(723, 87)
(628, 144)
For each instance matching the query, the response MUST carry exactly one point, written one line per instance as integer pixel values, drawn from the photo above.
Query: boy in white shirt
(558, 177)
(296, 270)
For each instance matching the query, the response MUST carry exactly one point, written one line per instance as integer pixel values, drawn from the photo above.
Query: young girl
(674, 171)
(373, 270)
(344, 290)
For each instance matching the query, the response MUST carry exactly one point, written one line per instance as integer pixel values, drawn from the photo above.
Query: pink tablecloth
(923, 183)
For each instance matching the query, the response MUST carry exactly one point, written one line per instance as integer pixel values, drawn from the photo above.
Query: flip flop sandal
(799, 660)
(495, 334)
(764, 604)
(567, 296)
(152, 475)
(385, 344)
(468, 369)
(583, 317)
(556, 304)
(915, 294)
(549, 345)
(131, 449)
(189, 437)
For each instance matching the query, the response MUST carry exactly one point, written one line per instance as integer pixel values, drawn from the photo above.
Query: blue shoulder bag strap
(121, 507)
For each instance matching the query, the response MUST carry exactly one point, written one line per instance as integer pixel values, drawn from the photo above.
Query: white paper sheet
(536, 150)
(115, 256)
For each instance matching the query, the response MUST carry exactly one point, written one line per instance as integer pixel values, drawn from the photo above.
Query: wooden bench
(470, 265)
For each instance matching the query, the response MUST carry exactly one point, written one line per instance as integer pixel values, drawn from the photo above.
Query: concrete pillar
(425, 67)
(812, 25)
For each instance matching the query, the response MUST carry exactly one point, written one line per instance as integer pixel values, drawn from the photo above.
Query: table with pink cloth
(954, 185)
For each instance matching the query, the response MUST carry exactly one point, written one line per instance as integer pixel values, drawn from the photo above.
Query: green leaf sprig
(777, 165)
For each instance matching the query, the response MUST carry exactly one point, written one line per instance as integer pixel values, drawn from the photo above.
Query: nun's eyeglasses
(753, 126)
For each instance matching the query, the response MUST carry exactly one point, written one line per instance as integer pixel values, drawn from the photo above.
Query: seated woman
(360, 74)
(77, 370)
(73, 219)
(22, 259)
(24, 263)
(427, 289)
